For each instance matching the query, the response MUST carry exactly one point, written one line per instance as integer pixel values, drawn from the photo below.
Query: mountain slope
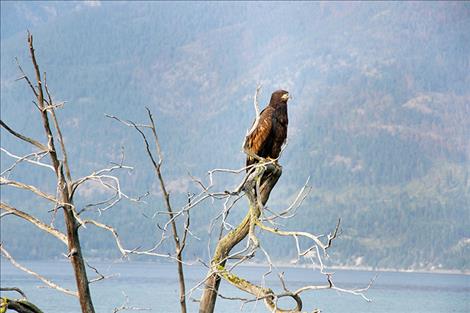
(379, 120)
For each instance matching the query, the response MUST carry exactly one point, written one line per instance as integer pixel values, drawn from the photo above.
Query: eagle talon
(272, 161)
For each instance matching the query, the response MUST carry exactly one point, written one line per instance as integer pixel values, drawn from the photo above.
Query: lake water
(154, 286)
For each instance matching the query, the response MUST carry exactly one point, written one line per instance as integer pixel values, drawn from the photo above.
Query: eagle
(269, 131)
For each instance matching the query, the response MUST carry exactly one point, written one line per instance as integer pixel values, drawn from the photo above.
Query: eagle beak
(285, 97)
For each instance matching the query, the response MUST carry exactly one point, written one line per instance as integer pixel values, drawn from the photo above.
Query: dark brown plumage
(269, 133)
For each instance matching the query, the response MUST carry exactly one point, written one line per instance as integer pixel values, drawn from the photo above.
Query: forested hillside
(379, 120)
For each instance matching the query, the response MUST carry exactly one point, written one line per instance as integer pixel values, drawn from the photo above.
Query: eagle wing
(259, 137)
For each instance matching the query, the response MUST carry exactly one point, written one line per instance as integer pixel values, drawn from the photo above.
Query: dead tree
(156, 159)
(66, 187)
(257, 186)
(225, 245)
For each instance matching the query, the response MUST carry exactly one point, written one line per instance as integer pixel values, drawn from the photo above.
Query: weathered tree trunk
(178, 246)
(78, 264)
(181, 282)
(65, 196)
(180, 243)
(229, 241)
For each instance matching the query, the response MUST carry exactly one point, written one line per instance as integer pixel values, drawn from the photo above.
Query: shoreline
(364, 268)
(286, 265)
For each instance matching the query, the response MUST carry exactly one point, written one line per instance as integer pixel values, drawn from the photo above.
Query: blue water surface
(154, 286)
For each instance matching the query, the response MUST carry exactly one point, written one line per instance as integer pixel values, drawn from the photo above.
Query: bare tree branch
(54, 232)
(99, 275)
(225, 245)
(5, 181)
(126, 307)
(24, 138)
(291, 233)
(41, 278)
(18, 290)
(64, 195)
(26, 158)
(254, 185)
(290, 211)
(25, 77)
(179, 244)
(59, 133)
(18, 305)
(124, 251)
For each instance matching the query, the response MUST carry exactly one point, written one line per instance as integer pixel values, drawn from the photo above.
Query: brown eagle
(269, 132)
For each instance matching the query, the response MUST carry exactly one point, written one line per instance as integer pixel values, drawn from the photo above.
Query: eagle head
(285, 96)
(279, 96)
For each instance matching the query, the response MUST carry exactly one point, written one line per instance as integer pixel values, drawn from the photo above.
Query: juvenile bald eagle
(269, 133)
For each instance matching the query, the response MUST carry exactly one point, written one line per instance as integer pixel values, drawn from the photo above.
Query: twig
(37, 155)
(126, 307)
(59, 133)
(100, 276)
